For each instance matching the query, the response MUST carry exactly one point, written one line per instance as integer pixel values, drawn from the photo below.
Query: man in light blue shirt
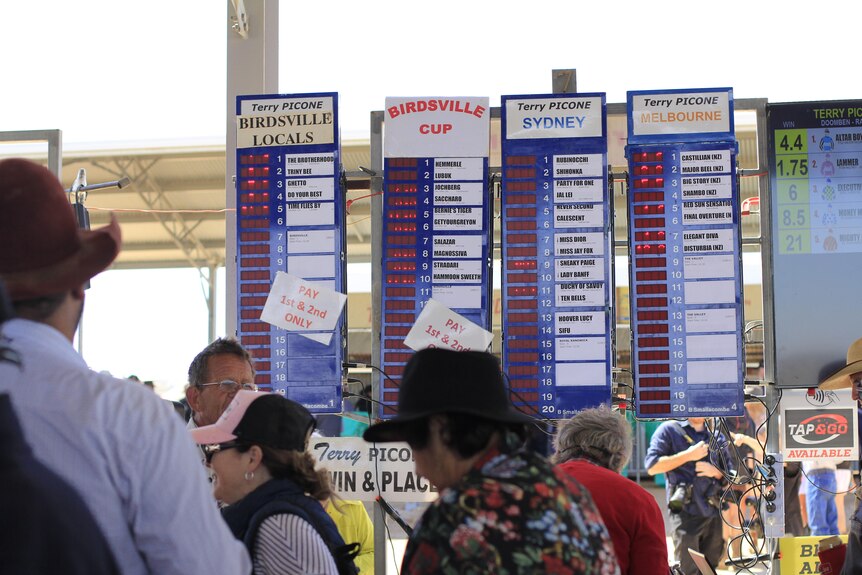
(118, 444)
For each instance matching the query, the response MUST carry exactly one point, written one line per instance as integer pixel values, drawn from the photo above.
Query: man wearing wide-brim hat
(118, 444)
(851, 376)
(502, 507)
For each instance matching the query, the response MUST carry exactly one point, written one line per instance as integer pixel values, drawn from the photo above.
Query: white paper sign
(439, 326)
(301, 306)
(430, 127)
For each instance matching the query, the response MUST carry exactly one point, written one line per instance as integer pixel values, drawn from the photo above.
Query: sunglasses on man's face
(212, 449)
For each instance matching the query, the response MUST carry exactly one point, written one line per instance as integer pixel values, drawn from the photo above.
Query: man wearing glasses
(220, 370)
(851, 376)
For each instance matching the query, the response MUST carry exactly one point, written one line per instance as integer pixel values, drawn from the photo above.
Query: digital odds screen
(556, 253)
(815, 165)
(685, 254)
(290, 218)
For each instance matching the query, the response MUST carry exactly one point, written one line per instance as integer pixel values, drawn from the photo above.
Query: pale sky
(106, 72)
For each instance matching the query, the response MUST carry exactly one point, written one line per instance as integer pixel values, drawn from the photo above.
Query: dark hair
(199, 368)
(463, 433)
(298, 466)
(39, 308)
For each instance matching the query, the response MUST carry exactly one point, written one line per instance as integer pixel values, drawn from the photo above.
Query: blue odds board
(557, 251)
(290, 218)
(685, 254)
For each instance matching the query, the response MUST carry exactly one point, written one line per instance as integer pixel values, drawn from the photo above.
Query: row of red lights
(650, 262)
(525, 186)
(522, 278)
(261, 210)
(254, 275)
(648, 157)
(641, 183)
(402, 188)
(649, 222)
(254, 262)
(254, 184)
(650, 236)
(520, 199)
(521, 212)
(253, 159)
(520, 160)
(521, 264)
(645, 170)
(651, 288)
(521, 173)
(649, 210)
(655, 408)
(254, 172)
(519, 252)
(652, 328)
(523, 370)
(640, 197)
(252, 198)
(644, 249)
(254, 249)
(654, 395)
(651, 276)
(654, 355)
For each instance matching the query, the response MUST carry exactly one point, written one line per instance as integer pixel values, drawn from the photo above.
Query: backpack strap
(679, 429)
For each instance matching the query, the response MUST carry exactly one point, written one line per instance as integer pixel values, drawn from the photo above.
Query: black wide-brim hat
(444, 381)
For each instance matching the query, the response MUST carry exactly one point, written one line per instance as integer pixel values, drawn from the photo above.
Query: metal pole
(211, 304)
(380, 547)
(252, 68)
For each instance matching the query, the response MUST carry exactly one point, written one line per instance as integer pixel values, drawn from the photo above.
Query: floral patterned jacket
(513, 513)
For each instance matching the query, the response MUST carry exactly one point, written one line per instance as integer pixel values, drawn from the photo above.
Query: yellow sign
(799, 554)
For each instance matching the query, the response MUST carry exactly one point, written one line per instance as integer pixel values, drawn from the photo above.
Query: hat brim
(841, 378)
(210, 434)
(98, 249)
(394, 429)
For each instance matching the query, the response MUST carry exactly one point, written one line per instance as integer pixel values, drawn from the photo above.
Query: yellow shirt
(355, 526)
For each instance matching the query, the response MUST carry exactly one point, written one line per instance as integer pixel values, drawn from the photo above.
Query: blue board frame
(687, 348)
(412, 197)
(557, 278)
(287, 185)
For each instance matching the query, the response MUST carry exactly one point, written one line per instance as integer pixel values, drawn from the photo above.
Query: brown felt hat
(841, 378)
(43, 250)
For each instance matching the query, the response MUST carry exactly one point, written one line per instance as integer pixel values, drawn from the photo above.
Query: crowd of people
(105, 478)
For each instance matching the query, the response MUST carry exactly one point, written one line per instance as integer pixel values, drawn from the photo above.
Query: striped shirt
(287, 544)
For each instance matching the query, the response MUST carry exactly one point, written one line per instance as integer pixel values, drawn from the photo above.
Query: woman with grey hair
(593, 447)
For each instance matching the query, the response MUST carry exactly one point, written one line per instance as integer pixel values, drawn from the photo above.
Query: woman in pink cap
(263, 473)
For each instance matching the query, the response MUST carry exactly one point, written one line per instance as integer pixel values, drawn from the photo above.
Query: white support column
(252, 68)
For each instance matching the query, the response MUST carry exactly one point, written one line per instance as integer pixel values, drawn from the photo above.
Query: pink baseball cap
(261, 418)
